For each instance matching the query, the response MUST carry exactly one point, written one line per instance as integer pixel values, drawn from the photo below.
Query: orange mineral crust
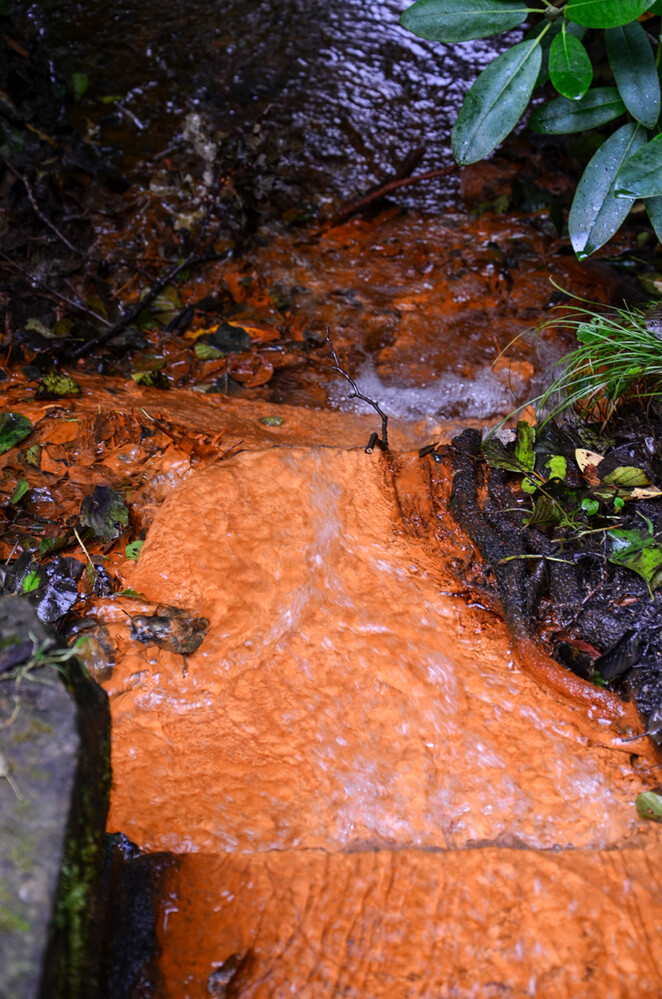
(343, 702)
(468, 924)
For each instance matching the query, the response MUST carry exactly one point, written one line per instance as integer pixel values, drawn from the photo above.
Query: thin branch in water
(132, 314)
(37, 210)
(375, 439)
(392, 185)
(51, 292)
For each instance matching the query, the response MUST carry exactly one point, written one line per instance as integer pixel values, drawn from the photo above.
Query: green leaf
(561, 116)
(32, 455)
(655, 8)
(604, 13)
(549, 33)
(590, 506)
(557, 467)
(570, 68)
(132, 550)
(641, 174)
(153, 378)
(639, 552)
(205, 351)
(13, 429)
(56, 385)
(20, 491)
(79, 82)
(496, 102)
(31, 581)
(105, 512)
(271, 421)
(649, 805)
(544, 511)
(654, 209)
(596, 213)
(529, 486)
(627, 477)
(633, 65)
(497, 455)
(462, 20)
(524, 453)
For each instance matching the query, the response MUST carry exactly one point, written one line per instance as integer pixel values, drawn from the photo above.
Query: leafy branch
(628, 165)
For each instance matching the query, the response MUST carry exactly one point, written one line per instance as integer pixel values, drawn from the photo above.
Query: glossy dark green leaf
(655, 8)
(561, 116)
(632, 62)
(549, 33)
(596, 212)
(641, 174)
(462, 20)
(604, 13)
(570, 68)
(496, 102)
(654, 209)
(13, 429)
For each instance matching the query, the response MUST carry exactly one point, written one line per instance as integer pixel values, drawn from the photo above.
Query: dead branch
(375, 439)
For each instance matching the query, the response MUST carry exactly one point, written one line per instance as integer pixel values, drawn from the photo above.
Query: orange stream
(371, 796)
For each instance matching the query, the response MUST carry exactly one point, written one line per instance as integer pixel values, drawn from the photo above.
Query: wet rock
(54, 761)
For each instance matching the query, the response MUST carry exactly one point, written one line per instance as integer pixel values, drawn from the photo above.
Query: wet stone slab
(53, 802)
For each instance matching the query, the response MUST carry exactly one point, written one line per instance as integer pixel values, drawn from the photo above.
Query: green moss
(11, 923)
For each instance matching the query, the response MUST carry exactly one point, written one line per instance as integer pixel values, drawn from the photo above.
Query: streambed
(364, 791)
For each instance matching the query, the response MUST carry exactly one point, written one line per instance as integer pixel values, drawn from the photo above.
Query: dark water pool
(344, 93)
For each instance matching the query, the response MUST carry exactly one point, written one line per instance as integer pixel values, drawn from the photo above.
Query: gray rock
(54, 787)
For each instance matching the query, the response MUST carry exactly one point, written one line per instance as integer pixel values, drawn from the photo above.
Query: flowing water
(368, 795)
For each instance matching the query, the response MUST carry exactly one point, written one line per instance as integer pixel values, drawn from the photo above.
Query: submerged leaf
(557, 467)
(55, 384)
(105, 513)
(497, 455)
(13, 429)
(132, 550)
(20, 491)
(649, 805)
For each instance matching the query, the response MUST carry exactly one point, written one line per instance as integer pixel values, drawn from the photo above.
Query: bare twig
(375, 439)
(37, 210)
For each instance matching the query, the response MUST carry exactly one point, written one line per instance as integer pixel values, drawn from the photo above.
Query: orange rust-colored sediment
(370, 795)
